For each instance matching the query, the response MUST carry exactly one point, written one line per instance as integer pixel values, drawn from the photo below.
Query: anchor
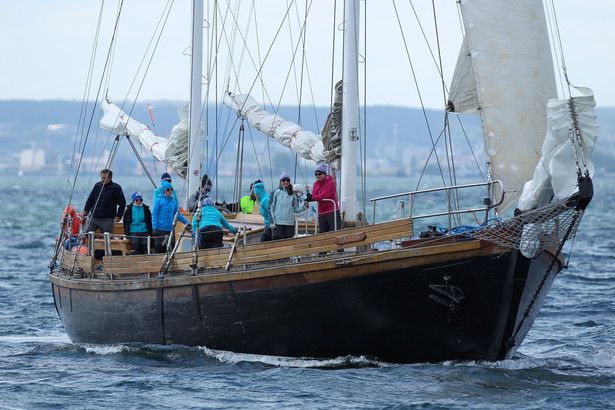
(450, 296)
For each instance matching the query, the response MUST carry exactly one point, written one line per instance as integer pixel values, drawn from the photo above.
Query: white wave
(105, 349)
(281, 361)
(518, 363)
(604, 358)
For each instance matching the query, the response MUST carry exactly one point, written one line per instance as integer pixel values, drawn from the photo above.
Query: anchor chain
(511, 342)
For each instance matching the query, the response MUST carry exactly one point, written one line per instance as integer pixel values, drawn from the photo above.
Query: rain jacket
(325, 189)
(128, 219)
(210, 216)
(263, 200)
(164, 211)
(282, 207)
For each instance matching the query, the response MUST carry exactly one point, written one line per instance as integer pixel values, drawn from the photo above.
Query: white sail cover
(305, 143)
(512, 73)
(555, 175)
(173, 151)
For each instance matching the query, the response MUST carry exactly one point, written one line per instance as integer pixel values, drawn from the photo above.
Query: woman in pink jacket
(325, 188)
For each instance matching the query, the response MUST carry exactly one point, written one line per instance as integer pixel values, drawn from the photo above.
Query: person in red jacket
(323, 190)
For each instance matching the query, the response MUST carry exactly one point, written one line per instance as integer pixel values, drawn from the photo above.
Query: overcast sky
(46, 48)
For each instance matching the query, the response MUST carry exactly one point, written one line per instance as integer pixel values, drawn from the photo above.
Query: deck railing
(400, 206)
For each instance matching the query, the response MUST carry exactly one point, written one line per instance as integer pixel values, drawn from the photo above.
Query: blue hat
(165, 185)
(284, 176)
(136, 195)
(165, 177)
(321, 168)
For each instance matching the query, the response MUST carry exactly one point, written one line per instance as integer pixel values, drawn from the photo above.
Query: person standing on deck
(283, 204)
(246, 203)
(325, 188)
(107, 203)
(163, 215)
(201, 192)
(263, 202)
(158, 191)
(138, 224)
(211, 226)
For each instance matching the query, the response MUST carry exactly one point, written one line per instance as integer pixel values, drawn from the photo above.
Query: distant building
(31, 160)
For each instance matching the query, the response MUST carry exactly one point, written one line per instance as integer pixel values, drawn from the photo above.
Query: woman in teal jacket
(283, 204)
(263, 202)
(210, 227)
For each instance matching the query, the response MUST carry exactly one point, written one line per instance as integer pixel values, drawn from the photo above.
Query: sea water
(566, 361)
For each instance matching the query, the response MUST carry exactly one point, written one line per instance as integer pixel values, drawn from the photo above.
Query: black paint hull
(388, 313)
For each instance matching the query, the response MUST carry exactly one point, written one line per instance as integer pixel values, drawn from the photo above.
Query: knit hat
(165, 185)
(208, 202)
(165, 177)
(259, 188)
(321, 168)
(284, 176)
(136, 195)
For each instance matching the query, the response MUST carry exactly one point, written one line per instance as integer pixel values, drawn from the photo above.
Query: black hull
(394, 314)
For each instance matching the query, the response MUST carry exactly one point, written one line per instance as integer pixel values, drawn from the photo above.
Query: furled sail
(509, 57)
(173, 151)
(555, 175)
(305, 143)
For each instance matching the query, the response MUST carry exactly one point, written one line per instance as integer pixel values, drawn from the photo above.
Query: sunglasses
(168, 189)
(138, 200)
(318, 173)
(285, 180)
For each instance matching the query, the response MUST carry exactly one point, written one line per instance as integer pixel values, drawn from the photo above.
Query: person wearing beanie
(211, 226)
(202, 192)
(263, 201)
(163, 215)
(247, 203)
(164, 177)
(283, 204)
(321, 168)
(328, 211)
(138, 224)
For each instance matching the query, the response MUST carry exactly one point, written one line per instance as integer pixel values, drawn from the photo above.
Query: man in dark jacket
(107, 203)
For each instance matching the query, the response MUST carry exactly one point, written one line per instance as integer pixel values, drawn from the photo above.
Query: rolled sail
(172, 150)
(305, 143)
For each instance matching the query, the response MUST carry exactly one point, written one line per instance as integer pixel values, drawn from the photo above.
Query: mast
(196, 73)
(350, 111)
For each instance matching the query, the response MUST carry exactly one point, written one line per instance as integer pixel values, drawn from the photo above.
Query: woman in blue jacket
(210, 227)
(283, 204)
(163, 215)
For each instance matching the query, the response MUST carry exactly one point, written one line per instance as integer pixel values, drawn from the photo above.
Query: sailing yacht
(372, 288)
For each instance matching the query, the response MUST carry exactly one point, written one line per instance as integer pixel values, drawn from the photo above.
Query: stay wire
(434, 146)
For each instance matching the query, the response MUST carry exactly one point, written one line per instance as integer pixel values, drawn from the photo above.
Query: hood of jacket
(259, 188)
(165, 185)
